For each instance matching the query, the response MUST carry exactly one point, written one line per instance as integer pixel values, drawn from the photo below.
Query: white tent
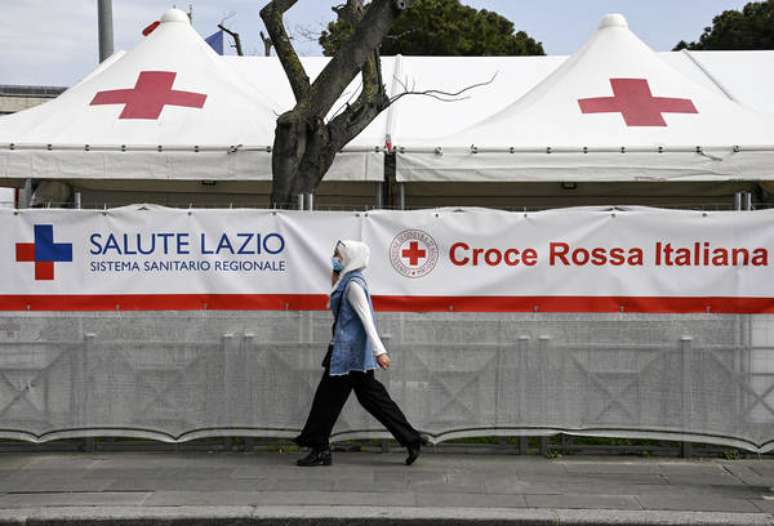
(529, 106)
(746, 77)
(615, 111)
(169, 109)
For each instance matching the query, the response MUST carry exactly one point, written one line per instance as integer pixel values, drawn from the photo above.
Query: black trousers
(333, 391)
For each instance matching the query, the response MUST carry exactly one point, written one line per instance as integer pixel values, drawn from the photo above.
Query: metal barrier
(176, 377)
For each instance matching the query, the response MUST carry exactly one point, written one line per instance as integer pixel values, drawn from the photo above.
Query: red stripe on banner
(155, 302)
(299, 302)
(641, 304)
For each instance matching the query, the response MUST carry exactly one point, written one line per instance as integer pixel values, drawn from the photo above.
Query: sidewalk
(264, 487)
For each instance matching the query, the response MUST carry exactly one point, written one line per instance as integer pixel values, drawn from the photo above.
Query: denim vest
(352, 351)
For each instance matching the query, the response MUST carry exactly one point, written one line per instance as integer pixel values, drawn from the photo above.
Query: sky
(55, 43)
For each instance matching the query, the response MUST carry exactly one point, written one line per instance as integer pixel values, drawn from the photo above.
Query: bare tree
(305, 145)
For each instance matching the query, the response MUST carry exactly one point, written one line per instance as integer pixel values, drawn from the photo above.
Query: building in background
(17, 98)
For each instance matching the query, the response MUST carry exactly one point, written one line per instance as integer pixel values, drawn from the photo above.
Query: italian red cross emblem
(413, 253)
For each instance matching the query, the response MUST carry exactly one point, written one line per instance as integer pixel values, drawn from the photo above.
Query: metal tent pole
(380, 195)
(25, 194)
(105, 21)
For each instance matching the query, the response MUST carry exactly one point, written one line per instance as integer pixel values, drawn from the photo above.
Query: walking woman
(352, 356)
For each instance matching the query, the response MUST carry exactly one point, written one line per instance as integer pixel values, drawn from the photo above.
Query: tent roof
(77, 117)
(613, 96)
(744, 76)
(171, 108)
(531, 104)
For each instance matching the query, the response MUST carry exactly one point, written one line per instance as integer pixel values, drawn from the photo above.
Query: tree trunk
(302, 154)
(304, 145)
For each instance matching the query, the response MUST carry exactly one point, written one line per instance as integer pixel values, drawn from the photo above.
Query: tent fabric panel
(482, 167)
(80, 164)
(747, 76)
(357, 166)
(172, 165)
(686, 65)
(423, 117)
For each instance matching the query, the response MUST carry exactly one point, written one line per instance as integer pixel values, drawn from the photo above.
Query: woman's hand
(383, 360)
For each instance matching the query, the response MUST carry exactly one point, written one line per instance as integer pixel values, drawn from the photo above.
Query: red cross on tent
(633, 99)
(152, 91)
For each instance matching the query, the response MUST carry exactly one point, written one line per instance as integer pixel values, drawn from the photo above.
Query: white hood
(354, 256)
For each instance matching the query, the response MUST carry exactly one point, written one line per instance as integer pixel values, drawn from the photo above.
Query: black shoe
(317, 457)
(414, 450)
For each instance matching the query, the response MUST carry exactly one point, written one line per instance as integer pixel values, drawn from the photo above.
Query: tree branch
(356, 117)
(400, 35)
(271, 15)
(267, 45)
(349, 60)
(351, 12)
(443, 96)
(307, 33)
(372, 99)
(235, 36)
(352, 122)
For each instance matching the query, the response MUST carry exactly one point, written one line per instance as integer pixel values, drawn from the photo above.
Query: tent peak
(613, 20)
(175, 15)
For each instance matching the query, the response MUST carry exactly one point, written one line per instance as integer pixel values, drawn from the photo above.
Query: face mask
(337, 264)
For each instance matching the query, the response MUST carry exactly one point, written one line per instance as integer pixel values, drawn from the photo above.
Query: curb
(373, 516)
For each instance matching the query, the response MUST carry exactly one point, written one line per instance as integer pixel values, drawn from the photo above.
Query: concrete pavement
(266, 487)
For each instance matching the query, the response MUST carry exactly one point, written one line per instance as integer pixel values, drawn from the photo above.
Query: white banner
(145, 257)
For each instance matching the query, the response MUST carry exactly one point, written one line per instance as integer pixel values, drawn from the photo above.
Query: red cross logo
(633, 99)
(414, 253)
(406, 256)
(152, 91)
